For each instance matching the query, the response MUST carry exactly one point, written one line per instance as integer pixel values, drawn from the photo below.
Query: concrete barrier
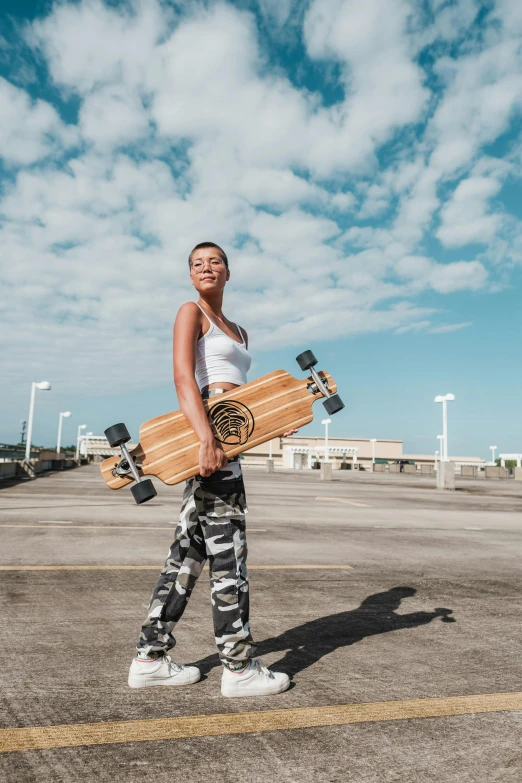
(471, 471)
(517, 474)
(446, 475)
(326, 471)
(495, 472)
(270, 466)
(42, 465)
(7, 470)
(427, 469)
(21, 469)
(379, 468)
(409, 468)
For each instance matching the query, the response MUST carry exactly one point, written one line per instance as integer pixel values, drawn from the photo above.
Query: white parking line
(54, 522)
(344, 500)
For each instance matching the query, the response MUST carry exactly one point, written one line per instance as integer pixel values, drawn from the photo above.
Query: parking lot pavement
(396, 609)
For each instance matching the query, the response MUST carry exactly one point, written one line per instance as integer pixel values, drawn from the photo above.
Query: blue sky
(360, 162)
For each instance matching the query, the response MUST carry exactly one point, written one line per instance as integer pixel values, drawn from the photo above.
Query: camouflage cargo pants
(211, 526)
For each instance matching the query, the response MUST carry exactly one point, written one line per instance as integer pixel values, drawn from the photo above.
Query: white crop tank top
(219, 358)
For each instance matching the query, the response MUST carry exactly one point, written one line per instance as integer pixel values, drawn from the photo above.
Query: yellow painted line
(157, 566)
(113, 527)
(344, 500)
(72, 735)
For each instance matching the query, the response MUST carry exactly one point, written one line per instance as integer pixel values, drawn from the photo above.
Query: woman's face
(208, 272)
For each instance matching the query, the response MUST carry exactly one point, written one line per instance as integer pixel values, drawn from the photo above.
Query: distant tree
(509, 463)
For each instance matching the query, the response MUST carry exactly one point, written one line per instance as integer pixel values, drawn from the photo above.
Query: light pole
(493, 449)
(440, 438)
(86, 443)
(373, 442)
(43, 386)
(444, 399)
(63, 415)
(326, 422)
(80, 428)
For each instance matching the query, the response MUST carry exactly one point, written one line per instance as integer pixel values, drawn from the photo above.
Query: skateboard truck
(333, 402)
(143, 490)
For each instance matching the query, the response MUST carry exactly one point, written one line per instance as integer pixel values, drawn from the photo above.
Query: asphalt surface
(430, 609)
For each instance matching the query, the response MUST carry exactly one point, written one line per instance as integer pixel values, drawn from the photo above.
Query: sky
(361, 164)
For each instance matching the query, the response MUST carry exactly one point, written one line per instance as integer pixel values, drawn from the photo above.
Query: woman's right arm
(186, 333)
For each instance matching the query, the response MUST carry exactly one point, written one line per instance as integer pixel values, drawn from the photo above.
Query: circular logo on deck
(232, 422)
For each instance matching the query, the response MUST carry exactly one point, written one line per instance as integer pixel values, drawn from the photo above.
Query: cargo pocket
(223, 499)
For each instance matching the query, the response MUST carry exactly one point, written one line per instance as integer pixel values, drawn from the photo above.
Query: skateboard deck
(241, 418)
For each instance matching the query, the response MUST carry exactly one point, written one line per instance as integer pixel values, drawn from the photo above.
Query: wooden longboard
(242, 418)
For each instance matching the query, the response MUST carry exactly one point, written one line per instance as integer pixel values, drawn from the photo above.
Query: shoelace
(262, 669)
(173, 667)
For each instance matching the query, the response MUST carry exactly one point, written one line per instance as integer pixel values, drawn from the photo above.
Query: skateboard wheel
(117, 434)
(333, 404)
(143, 491)
(306, 360)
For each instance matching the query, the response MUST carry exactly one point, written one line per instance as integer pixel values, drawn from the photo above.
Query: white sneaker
(161, 671)
(256, 680)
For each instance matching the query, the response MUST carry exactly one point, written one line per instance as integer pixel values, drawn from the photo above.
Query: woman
(210, 357)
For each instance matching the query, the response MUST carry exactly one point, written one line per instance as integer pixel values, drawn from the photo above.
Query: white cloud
(458, 276)
(112, 117)
(29, 130)
(416, 326)
(89, 45)
(443, 278)
(376, 201)
(464, 218)
(426, 326)
(342, 201)
(452, 19)
(483, 90)
(446, 328)
(509, 12)
(384, 92)
(280, 188)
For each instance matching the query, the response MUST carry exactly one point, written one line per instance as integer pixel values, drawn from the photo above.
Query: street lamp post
(493, 449)
(373, 442)
(440, 438)
(43, 386)
(86, 443)
(80, 428)
(63, 415)
(326, 422)
(444, 399)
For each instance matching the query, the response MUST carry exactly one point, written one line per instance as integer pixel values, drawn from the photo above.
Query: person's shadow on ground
(308, 643)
